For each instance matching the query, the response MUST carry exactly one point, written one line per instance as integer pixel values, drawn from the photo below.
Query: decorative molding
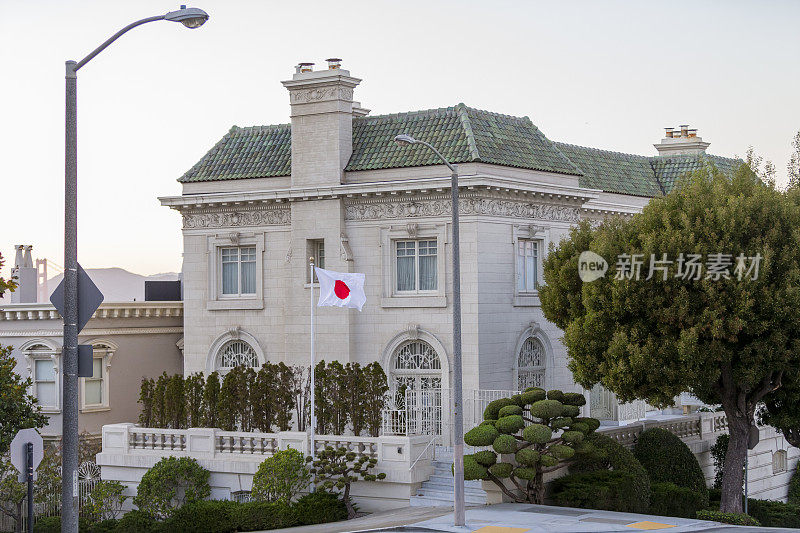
(345, 252)
(259, 217)
(235, 332)
(289, 252)
(413, 331)
(412, 229)
(234, 236)
(317, 94)
(467, 206)
(91, 332)
(107, 311)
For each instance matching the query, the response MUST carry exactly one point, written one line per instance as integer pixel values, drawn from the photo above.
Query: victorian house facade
(333, 185)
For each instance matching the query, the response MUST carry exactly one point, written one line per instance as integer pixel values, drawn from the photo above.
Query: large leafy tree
(728, 340)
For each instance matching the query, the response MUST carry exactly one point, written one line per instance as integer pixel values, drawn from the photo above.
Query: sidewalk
(374, 521)
(525, 518)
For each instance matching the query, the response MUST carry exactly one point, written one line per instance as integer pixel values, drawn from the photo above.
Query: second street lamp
(458, 411)
(191, 18)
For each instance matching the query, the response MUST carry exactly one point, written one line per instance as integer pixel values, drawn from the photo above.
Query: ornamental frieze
(467, 206)
(237, 219)
(321, 93)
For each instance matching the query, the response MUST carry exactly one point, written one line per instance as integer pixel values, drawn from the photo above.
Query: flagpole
(313, 411)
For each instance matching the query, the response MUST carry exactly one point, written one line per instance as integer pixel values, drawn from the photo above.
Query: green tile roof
(613, 171)
(462, 134)
(253, 152)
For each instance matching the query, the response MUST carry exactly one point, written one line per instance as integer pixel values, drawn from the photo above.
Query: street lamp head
(191, 17)
(405, 140)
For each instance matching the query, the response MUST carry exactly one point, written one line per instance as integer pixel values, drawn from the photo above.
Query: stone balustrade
(233, 457)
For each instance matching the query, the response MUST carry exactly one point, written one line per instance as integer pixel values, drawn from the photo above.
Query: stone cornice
(236, 202)
(90, 332)
(609, 208)
(46, 311)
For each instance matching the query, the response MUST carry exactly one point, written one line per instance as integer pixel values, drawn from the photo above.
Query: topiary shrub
(738, 519)
(602, 453)
(771, 513)
(281, 477)
(552, 437)
(320, 507)
(668, 499)
(257, 516)
(171, 483)
(135, 522)
(667, 459)
(602, 489)
(794, 486)
(204, 516)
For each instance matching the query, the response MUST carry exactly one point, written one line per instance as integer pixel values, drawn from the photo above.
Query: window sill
(308, 285)
(50, 410)
(95, 409)
(414, 301)
(243, 303)
(527, 300)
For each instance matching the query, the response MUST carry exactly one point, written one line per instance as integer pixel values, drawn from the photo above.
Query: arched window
(779, 462)
(415, 366)
(236, 353)
(531, 364)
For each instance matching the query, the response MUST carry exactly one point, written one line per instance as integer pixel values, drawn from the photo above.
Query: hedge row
(769, 513)
(218, 516)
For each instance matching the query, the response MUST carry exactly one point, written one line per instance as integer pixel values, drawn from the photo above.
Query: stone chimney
(322, 111)
(683, 141)
(26, 276)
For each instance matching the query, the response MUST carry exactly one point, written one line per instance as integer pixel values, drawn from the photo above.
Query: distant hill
(116, 284)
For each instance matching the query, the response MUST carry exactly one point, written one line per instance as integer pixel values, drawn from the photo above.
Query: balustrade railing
(157, 439)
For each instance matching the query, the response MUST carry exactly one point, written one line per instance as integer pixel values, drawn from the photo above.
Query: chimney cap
(334, 59)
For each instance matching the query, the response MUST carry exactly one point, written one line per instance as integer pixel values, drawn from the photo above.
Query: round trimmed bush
(580, 426)
(537, 433)
(505, 444)
(171, 483)
(555, 395)
(481, 435)
(485, 457)
(547, 409)
(492, 411)
(574, 398)
(561, 422)
(523, 472)
(572, 436)
(473, 469)
(593, 423)
(281, 477)
(533, 395)
(510, 424)
(487, 423)
(667, 459)
(571, 410)
(561, 452)
(527, 457)
(501, 470)
(509, 410)
(548, 460)
(518, 400)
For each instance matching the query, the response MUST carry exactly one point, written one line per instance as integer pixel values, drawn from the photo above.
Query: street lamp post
(458, 412)
(191, 18)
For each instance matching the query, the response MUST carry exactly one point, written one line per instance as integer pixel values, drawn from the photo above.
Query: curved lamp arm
(113, 38)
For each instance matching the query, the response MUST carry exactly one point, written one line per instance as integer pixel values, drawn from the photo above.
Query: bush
(668, 499)
(774, 514)
(106, 499)
(667, 459)
(204, 516)
(320, 507)
(603, 489)
(738, 519)
(473, 469)
(603, 454)
(47, 524)
(135, 522)
(794, 486)
(171, 483)
(482, 435)
(256, 516)
(103, 526)
(718, 451)
(281, 477)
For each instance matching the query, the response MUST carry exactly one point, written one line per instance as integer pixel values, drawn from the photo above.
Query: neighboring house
(334, 186)
(131, 340)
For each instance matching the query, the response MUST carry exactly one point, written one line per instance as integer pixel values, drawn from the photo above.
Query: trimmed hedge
(607, 454)
(603, 489)
(668, 499)
(206, 516)
(319, 507)
(774, 514)
(738, 519)
(794, 486)
(667, 459)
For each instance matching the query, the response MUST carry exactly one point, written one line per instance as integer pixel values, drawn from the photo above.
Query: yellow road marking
(649, 525)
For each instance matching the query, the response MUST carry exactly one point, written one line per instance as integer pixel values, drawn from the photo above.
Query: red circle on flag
(341, 289)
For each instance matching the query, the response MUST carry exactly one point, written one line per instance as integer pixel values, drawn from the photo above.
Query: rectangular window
(416, 266)
(45, 380)
(238, 271)
(316, 249)
(93, 386)
(527, 265)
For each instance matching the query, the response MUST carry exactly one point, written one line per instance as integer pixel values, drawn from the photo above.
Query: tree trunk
(537, 488)
(351, 512)
(733, 471)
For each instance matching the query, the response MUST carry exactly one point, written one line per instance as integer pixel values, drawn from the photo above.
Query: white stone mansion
(333, 185)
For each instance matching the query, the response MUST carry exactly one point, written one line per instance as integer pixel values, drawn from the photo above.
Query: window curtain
(427, 273)
(248, 277)
(230, 274)
(93, 387)
(45, 382)
(405, 266)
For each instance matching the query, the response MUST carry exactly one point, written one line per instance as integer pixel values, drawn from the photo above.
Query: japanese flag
(342, 289)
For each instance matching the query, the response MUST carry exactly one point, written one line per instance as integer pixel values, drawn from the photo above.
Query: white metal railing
(425, 451)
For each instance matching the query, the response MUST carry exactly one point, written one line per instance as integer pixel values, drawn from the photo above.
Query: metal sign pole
(29, 468)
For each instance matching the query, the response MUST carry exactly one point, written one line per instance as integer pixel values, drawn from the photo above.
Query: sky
(598, 73)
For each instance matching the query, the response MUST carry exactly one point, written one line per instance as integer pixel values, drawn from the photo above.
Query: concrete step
(447, 496)
(448, 487)
(448, 480)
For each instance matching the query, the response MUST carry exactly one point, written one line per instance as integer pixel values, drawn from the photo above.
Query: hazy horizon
(608, 74)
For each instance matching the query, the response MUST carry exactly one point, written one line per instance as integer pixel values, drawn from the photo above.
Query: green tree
(338, 468)
(12, 493)
(160, 401)
(780, 411)
(175, 402)
(356, 400)
(171, 483)
(373, 387)
(263, 400)
(106, 500)
(6, 284)
(793, 166)
(543, 432)
(194, 387)
(18, 408)
(281, 477)
(211, 401)
(284, 396)
(727, 340)
(146, 400)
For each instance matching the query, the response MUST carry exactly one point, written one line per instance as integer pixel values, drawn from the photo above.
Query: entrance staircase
(438, 490)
